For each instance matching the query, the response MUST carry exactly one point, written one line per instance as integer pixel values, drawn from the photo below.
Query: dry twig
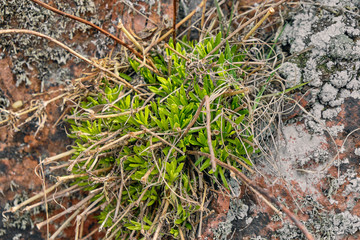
(208, 129)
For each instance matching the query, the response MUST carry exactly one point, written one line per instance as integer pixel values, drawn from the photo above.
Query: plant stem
(208, 129)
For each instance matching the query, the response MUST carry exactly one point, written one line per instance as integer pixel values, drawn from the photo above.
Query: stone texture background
(313, 161)
(326, 200)
(30, 65)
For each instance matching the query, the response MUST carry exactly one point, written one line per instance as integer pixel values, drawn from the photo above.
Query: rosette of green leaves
(151, 167)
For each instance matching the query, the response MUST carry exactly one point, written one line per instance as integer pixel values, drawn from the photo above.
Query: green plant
(141, 141)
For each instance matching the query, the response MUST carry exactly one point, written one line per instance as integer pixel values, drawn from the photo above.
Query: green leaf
(217, 39)
(239, 119)
(209, 47)
(205, 165)
(123, 75)
(221, 172)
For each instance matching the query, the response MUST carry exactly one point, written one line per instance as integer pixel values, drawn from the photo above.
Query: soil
(313, 166)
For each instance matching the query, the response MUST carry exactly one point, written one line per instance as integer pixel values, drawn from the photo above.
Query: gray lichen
(333, 64)
(28, 52)
(292, 74)
(21, 221)
(322, 224)
(4, 103)
(238, 210)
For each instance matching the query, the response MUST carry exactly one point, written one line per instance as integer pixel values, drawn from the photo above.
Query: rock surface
(30, 65)
(313, 165)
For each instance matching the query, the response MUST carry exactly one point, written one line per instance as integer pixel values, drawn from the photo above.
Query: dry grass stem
(77, 206)
(176, 52)
(70, 177)
(158, 228)
(182, 21)
(162, 140)
(90, 24)
(208, 130)
(270, 11)
(59, 156)
(260, 14)
(34, 198)
(65, 224)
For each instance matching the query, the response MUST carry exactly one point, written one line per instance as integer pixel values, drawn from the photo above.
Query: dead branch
(208, 130)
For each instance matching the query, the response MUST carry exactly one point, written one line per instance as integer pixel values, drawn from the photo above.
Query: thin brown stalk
(66, 223)
(158, 229)
(182, 237)
(63, 193)
(146, 65)
(248, 182)
(162, 140)
(241, 163)
(130, 206)
(117, 79)
(208, 130)
(262, 13)
(90, 234)
(105, 147)
(265, 200)
(79, 205)
(119, 140)
(45, 201)
(203, 15)
(105, 220)
(90, 24)
(181, 22)
(70, 177)
(201, 211)
(193, 120)
(81, 229)
(270, 12)
(129, 36)
(174, 21)
(59, 156)
(78, 221)
(155, 217)
(54, 168)
(92, 117)
(230, 93)
(85, 213)
(177, 53)
(144, 178)
(122, 182)
(37, 196)
(44, 104)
